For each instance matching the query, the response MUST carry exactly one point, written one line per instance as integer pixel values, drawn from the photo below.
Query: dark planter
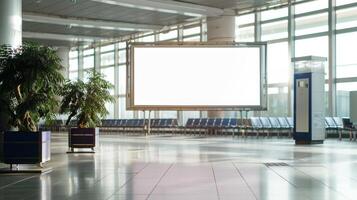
(19, 147)
(83, 138)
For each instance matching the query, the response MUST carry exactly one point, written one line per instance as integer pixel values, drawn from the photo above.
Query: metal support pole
(149, 123)
(332, 58)
(291, 50)
(144, 123)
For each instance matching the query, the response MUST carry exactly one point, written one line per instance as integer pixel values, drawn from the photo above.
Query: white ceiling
(67, 22)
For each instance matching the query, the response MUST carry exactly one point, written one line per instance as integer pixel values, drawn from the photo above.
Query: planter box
(19, 147)
(83, 138)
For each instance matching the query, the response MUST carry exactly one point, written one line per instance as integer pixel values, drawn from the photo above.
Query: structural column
(220, 29)
(11, 22)
(63, 53)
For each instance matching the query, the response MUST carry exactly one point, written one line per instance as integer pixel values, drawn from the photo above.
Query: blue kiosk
(309, 100)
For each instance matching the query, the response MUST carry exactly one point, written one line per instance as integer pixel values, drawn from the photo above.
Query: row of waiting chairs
(119, 125)
(138, 125)
(253, 125)
(335, 126)
(340, 126)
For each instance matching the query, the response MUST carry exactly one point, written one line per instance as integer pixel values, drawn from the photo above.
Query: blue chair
(290, 122)
(342, 128)
(284, 125)
(189, 125)
(275, 125)
(162, 123)
(203, 123)
(225, 125)
(196, 124)
(171, 125)
(217, 123)
(155, 123)
(210, 122)
(256, 125)
(233, 125)
(266, 126)
(202, 126)
(141, 123)
(331, 126)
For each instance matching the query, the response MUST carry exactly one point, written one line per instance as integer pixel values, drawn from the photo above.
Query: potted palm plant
(85, 102)
(30, 82)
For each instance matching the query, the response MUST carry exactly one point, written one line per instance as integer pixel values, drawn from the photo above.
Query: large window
(346, 56)
(317, 46)
(107, 59)
(110, 107)
(346, 18)
(73, 76)
(344, 2)
(274, 14)
(108, 74)
(278, 63)
(123, 113)
(150, 38)
(346, 71)
(311, 38)
(278, 101)
(311, 6)
(343, 97)
(170, 35)
(73, 65)
(192, 33)
(275, 30)
(245, 28)
(311, 24)
(107, 55)
(122, 80)
(88, 58)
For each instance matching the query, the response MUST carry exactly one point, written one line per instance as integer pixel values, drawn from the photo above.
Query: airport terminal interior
(229, 99)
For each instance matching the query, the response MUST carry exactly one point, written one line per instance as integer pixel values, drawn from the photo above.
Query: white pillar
(220, 29)
(11, 22)
(63, 53)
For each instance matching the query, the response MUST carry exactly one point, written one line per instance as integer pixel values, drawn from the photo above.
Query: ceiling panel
(235, 4)
(67, 30)
(57, 43)
(92, 10)
(100, 11)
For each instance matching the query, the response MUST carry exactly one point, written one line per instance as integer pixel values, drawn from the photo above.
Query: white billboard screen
(180, 77)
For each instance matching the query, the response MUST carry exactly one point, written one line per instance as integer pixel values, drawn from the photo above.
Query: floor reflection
(185, 167)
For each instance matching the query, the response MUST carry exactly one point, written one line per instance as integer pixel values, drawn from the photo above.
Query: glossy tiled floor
(184, 168)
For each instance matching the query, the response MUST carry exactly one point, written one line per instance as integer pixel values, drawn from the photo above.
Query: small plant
(86, 101)
(30, 82)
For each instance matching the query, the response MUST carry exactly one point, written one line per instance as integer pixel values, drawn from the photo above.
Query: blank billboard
(206, 77)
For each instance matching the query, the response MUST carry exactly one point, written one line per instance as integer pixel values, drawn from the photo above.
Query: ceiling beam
(87, 23)
(168, 6)
(61, 37)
